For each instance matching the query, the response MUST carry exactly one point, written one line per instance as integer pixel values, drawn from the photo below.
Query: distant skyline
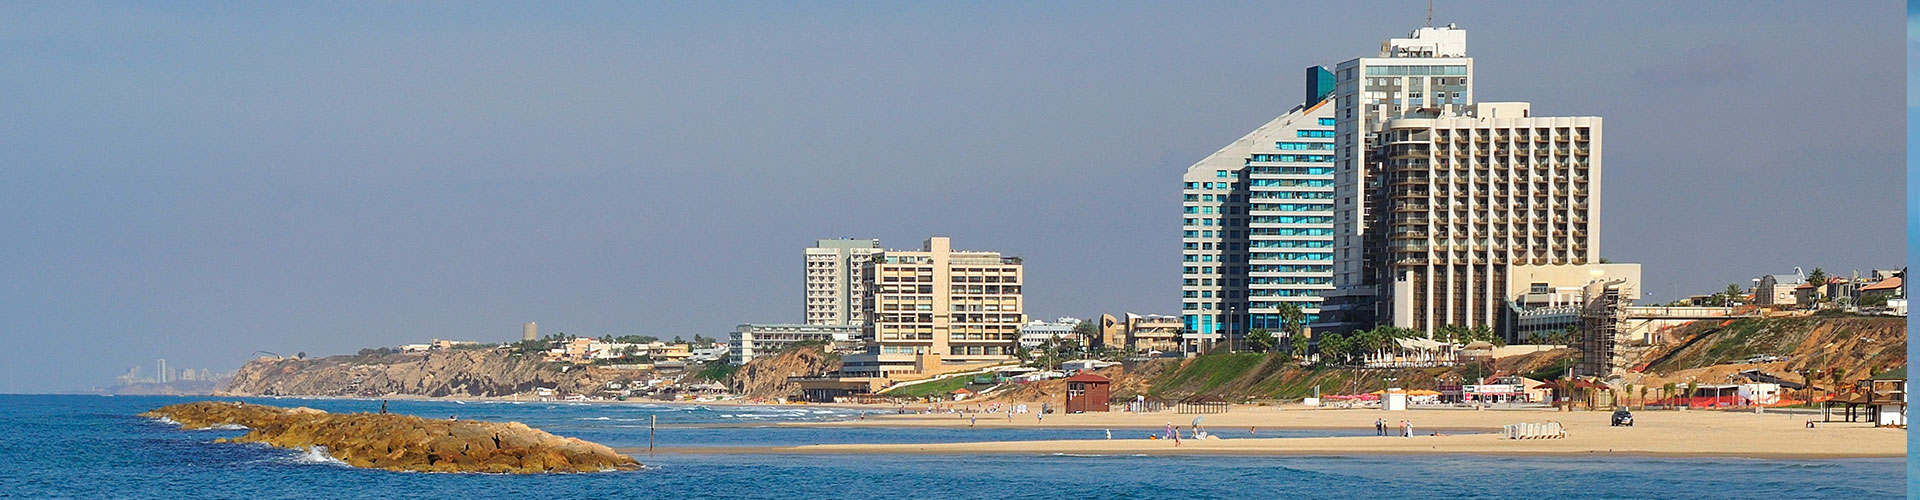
(199, 181)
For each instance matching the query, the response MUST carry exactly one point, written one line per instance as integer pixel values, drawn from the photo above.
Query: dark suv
(1622, 417)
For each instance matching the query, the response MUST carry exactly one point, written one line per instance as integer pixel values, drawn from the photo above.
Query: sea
(72, 446)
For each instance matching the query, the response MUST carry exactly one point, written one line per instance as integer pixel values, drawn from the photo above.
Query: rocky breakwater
(403, 442)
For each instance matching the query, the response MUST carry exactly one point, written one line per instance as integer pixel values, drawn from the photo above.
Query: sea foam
(318, 455)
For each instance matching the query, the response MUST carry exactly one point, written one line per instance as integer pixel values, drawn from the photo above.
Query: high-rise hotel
(1257, 230)
(1391, 198)
(1472, 201)
(1427, 71)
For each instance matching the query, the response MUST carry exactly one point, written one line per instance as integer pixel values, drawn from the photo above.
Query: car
(1622, 417)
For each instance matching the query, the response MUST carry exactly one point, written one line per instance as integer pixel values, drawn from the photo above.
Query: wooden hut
(1087, 392)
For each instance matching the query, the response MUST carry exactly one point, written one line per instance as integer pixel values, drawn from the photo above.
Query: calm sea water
(96, 447)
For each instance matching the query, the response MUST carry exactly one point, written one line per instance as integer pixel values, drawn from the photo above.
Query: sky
(200, 181)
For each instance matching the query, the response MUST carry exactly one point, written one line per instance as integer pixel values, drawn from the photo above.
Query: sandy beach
(1655, 433)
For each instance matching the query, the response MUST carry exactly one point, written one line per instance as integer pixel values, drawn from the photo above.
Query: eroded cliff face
(403, 442)
(473, 373)
(766, 377)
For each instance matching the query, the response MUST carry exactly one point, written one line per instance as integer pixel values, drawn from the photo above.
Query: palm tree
(1734, 294)
(1693, 386)
(1643, 398)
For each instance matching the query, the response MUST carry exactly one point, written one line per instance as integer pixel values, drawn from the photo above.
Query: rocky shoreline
(403, 442)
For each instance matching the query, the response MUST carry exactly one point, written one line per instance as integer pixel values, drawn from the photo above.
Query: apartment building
(938, 306)
(835, 281)
(1257, 227)
(752, 340)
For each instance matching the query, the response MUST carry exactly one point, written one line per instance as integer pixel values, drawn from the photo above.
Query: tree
(1734, 295)
(1666, 393)
(1260, 340)
(300, 355)
(1643, 397)
(1299, 345)
(1817, 278)
(1693, 386)
(1292, 319)
(1485, 332)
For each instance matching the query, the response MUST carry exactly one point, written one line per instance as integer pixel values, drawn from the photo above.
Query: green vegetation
(717, 372)
(1556, 369)
(934, 388)
(1261, 340)
(1206, 373)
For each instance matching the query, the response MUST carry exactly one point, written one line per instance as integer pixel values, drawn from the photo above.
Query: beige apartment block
(938, 306)
(1467, 196)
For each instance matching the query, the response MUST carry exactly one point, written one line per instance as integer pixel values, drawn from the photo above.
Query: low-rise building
(1887, 398)
(1037, 332)
(1777, 290)
(1142, 332)
(751, 340)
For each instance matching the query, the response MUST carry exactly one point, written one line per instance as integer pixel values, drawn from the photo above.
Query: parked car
(1622, 417)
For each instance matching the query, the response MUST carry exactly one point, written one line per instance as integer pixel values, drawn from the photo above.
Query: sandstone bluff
(404, 442)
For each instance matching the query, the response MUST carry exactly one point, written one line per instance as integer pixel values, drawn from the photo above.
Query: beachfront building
(835, 281)
(1257, 227)
(1144, 333)
(1466, 197)
(1037, 332)
(753, 340)
(1427, 72)
(937, 306)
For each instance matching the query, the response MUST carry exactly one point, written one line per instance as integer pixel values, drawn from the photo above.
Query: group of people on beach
(1380, 427)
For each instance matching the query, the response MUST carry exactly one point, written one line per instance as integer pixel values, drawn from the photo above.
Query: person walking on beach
(383, 407)
(1176, 437)
(1380, 427)
(1169, 430)
(973, 421)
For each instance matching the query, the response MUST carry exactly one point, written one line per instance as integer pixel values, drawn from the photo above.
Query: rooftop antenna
(1429, 13)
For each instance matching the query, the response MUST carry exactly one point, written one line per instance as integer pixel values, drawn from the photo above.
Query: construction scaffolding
(1600, 319)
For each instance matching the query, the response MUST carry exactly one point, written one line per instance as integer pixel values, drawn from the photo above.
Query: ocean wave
(166, 420)
(595, 418)
(318, 455)
(223, 427)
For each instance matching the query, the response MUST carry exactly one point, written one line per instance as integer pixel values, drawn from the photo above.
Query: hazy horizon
(199, 181)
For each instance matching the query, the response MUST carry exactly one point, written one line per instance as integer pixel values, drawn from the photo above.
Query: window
(1321, 134)
(1326, 122)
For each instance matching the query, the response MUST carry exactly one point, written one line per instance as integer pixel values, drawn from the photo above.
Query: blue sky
(197, 181)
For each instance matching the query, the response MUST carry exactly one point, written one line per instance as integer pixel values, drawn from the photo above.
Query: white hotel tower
(1428, 71)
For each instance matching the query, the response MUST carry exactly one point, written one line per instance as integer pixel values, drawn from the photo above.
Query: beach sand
(1655, 433)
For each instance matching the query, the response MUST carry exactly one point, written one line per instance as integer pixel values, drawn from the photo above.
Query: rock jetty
(403, 442)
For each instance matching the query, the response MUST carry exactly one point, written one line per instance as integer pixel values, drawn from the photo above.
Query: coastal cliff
(460, 373)
(403, 442)
(766, 377)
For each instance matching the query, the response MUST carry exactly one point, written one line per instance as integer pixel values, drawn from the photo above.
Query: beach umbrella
(1196, 421)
